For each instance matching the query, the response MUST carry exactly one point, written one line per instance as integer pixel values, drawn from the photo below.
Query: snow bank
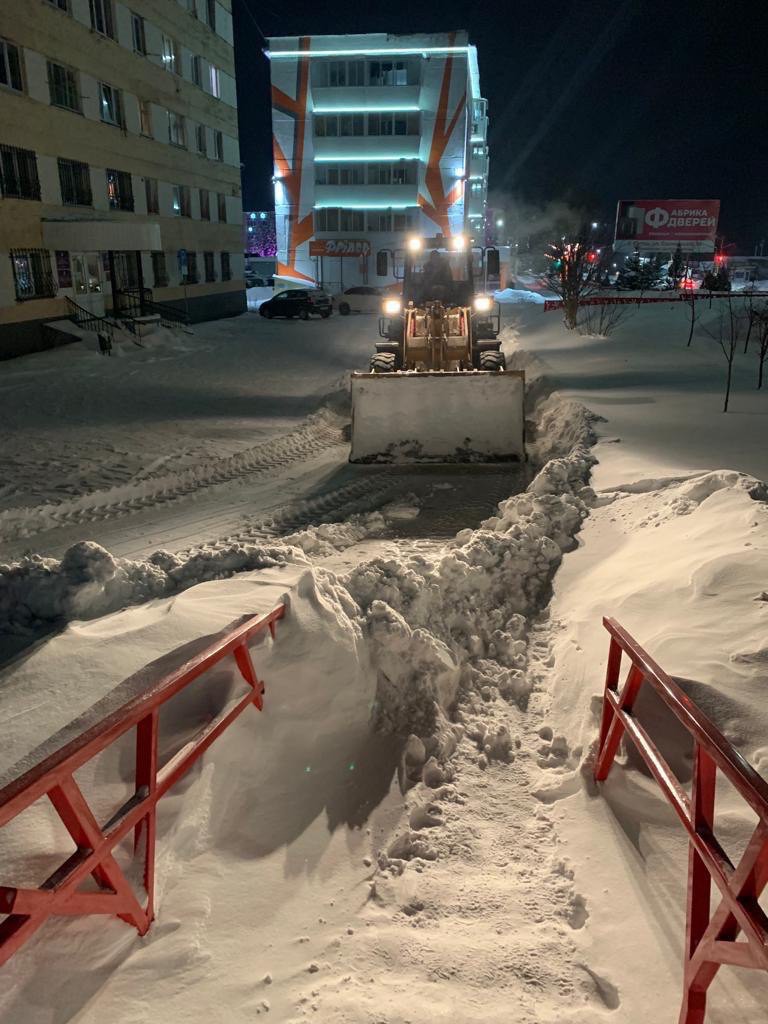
(514, 296)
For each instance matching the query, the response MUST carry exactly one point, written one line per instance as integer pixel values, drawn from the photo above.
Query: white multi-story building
(119, 161)
(375, 137)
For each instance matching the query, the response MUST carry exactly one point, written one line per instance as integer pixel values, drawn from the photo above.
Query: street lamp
(500, 223)
(595, 225)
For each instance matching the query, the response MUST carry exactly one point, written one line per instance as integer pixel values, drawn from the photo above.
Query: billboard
(653, 224)
(339, 247)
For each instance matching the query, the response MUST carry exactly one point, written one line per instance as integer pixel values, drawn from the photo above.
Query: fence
(625, 300)
(711, 938)
(150, 688)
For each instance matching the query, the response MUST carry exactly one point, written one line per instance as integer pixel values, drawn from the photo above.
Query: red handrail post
(711, 939)
(146, 785)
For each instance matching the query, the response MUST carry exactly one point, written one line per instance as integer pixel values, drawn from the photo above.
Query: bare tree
(727, 332)
(759, 318)
(690, 297)
(601, 319)
(573, 275)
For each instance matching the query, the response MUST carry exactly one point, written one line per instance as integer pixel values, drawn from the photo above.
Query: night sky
(589, 102)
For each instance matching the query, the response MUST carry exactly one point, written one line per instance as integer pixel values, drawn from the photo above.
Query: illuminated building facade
(375, 137)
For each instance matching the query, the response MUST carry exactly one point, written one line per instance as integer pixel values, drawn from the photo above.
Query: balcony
(366, 97)
(371, 196)
(367, 147)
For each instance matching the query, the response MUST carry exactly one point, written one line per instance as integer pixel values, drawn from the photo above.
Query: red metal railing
(711, 939)
(149, 689)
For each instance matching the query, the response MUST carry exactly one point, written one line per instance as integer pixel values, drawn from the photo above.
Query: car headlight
(392, 306)
(482, 304)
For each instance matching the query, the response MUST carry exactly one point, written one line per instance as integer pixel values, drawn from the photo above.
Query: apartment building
(119, 161)
(375, 137)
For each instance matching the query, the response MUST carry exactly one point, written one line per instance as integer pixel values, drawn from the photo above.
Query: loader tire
(383, 362)
(344, 308)
(492, 361)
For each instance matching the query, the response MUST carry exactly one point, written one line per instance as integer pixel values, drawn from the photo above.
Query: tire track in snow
(321, 431)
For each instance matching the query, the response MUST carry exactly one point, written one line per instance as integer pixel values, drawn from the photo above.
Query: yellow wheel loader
(438, 388)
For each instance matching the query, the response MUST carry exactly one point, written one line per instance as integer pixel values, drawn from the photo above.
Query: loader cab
(437, 273)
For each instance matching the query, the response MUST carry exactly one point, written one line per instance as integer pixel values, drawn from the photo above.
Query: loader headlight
(459, 243)
(392, 306)
(482, 304)
(414, 244)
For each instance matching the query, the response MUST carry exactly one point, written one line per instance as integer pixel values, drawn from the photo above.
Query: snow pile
(88, 582)
(513, 296)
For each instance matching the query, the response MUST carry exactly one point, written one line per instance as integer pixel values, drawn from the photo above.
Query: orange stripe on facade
(291, 171)
(441, 201)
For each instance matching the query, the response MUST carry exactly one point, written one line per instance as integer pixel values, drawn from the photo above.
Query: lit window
(215, 77)
(176, 130)
(119, 190)
(145, 117)
(170, 54)
(32, 274)
(111, 105)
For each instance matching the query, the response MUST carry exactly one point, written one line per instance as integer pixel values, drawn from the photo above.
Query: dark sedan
(298, 302)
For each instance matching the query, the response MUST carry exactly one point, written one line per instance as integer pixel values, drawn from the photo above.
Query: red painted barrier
(625, 300)
(711, 938)
(53, 777)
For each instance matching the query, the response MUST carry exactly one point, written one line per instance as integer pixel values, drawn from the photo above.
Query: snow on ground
(408, 833)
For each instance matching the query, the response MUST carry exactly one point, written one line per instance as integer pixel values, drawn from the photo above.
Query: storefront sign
(651, 224)
(339, 247)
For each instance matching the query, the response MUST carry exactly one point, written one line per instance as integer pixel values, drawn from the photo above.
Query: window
(176, 132)
(62, 84)
(210, 13)
(379, 220)
(63, 268)
(102, 17)
(32, 275)
(153, 200)
(182, 202)
(170, 54)
(215, 78)
(201, 140)
(388, 72)
(111, 105)
(393, 124)
(62, 5)
(145, 117)
(159, 270)
(139, 35)
(18, 173)
(192, 277)
(210, 269)
(119, 190)
(218, 145)
(10, 66)
(192, 7)
(205, 204)
(337, 73)
(222, 204)
(226, 268)
(75, 182)
(197, 71)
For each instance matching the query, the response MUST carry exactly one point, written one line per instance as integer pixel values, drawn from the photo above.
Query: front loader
(438, 389)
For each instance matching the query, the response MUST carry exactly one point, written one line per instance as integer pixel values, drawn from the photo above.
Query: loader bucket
(435, 416)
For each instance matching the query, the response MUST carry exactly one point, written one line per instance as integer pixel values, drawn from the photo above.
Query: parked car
(254, 281)
(298, 302)
(362, 298)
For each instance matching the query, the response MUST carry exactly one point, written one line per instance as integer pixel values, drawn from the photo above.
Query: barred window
(18, 173)
(10, 66)
(218, 145)
(210, 269)
(62, 85)
(159, 270)
(226, 268)
(192, 277)
(119, 190)
(32, 274)
(201, 141)
(153, 200)
(222, 203)
(205, 204)
(103, 17)
(111, 105)
(75, 181)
